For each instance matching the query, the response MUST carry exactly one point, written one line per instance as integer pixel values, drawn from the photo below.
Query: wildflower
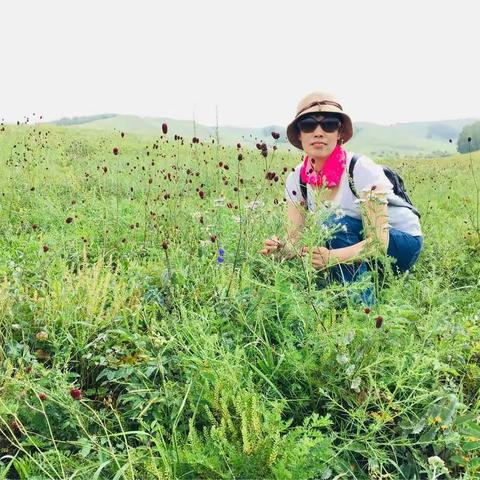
(69, 219)
(115, 150)
(213, 238)
(275, 135)
(221, 251)
(42, 396)
(34, 226)
(355, 385)
(41, 336)
(378, 321)
(122, 134)
(238, 145)
(342, 359)
(366, 310)
(255, 204)
(41, 354)
(76, 393)
(201, 193)
(219, 259)
(165, 128)
(240, 157)
(165, 245)
(14, 425)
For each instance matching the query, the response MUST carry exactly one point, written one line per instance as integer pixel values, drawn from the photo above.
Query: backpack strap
(303, 189)
(353, 162)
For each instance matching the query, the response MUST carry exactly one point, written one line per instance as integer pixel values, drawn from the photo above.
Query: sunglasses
(309, 124)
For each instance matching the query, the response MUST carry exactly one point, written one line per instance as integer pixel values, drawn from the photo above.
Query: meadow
(142, 336)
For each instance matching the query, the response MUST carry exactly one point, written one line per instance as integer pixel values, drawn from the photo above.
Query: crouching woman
(377, 222)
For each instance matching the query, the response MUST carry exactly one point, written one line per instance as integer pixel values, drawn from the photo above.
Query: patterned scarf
(331, 172)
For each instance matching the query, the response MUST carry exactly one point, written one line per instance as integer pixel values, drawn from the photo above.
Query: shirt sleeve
(368, 174)
(292, 188)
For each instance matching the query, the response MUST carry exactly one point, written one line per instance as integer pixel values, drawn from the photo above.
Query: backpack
(392, 175)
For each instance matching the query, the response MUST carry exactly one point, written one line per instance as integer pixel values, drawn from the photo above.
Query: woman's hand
(272, 245)
(277, 247)
(320, 256)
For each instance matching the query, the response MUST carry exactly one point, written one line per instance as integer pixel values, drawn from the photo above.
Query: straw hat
(319, 102)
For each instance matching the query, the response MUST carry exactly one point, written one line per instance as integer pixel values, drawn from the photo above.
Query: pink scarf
(331, 171)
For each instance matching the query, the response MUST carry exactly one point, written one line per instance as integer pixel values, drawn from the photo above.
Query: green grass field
(131, 348)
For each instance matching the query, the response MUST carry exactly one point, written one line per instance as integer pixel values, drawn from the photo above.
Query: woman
(378, 220)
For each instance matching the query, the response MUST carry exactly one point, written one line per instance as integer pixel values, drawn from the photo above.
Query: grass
(129, 351)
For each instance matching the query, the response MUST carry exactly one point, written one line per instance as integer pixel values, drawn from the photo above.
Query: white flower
(356, 384)
(436, 462)
(255, 204)
(350, 369)
(219, 202)
(236, 219)
(342, 359)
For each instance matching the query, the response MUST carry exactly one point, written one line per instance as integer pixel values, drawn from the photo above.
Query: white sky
(387, 61)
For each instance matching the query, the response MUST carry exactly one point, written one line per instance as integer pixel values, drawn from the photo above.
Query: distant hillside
(411, 139)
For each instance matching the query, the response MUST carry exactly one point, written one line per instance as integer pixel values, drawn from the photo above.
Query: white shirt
(366, 174)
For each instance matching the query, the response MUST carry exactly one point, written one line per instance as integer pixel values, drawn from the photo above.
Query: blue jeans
(402, 247)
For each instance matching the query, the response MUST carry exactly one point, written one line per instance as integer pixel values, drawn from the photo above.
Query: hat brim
(347, 127)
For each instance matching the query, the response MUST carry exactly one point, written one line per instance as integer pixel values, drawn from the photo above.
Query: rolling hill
(422, 139)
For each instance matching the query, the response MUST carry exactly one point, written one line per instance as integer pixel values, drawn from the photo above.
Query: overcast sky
(387, 61)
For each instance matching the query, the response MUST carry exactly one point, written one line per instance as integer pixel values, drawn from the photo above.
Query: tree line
(469, 138)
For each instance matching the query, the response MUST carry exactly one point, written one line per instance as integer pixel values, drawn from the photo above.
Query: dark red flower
(213, 238)
(238, 145)
(34, 226)
(240, 157)
(201, 193)
(366, 310)
(115, 150)
(165, 245)
(76, 393)
(165, 128)
(378, 321)
(69, 219)
(42, 396)
(45, 248)
(275, 135)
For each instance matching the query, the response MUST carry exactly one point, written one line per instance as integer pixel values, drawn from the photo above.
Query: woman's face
(319, 144)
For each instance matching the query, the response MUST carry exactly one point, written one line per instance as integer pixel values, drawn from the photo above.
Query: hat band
(323, 102)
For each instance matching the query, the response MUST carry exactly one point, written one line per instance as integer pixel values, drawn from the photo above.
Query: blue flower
(221, 251)
(219, 259)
